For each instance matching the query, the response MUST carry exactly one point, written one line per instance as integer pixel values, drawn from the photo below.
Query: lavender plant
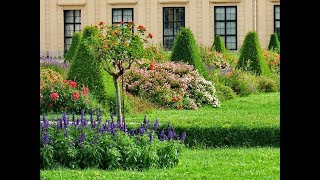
(81, 142)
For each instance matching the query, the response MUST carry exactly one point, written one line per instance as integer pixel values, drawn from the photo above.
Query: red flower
(179, 98)
(150, 35)
(151, 66)
(54, 96)
(179, 107)
(174, 99)
(142, 28)
(73, 84)
(51, 76)
(105, 46)
(101, 23)
(85, 91)
(75, 95)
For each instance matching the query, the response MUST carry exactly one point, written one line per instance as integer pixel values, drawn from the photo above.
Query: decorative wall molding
(275, 0)
(122, 1)
(173, 1)
(225, 1)
(71, 2)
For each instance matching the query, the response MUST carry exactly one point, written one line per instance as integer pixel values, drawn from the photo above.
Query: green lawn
(225, 163)
(258, 110)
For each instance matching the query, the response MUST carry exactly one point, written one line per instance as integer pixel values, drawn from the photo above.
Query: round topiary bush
(76, 37)
(218, 45)
(274, 44)
(251, 58)
(185, 49)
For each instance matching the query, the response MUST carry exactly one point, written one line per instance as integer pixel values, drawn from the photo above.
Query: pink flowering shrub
(171, 84)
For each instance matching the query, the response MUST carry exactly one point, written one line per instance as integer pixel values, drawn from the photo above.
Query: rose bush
(57, 94)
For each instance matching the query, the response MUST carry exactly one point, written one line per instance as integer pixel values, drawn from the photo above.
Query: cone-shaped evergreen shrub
(274, 44)
(218, 45)
(185, 49)
(251, 57)
(76, 38)
(85, 69)
(89, 31)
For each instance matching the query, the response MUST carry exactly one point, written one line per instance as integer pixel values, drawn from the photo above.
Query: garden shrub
(274, 43)
(251, 58)
(85, 69)
(233, 136)
(185, 49)
(171, 84)
(78, 142)
(76, 38)
(89, 31)
(242, 83)
(266, 84)
(57, 94)
(224, 92)
(218, 44)
(273, 60)
(55, 64)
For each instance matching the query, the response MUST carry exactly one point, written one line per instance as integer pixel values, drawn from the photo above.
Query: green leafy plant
(218, 44)
(76, 38)
(274, 43)
(185, 49)
(57, 94)
(251, 56)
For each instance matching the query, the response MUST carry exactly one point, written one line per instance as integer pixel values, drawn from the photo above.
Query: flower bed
(75, 143)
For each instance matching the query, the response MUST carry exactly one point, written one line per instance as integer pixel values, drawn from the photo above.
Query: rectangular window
(277, 20)
(225, 24)
(72, 23)
(122, 14)
(173, 20)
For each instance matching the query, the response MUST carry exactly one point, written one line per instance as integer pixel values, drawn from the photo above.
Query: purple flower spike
(156, 124)
(59, 124)
(46, 138)
(183, 136)
(150, 136)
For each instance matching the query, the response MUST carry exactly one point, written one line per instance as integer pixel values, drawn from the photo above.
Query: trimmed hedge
(235, 136)
(76, 38)
(185, 49)
(218, 45)
(85, 69)
(274, 43)
(251, 57)
(90, 31)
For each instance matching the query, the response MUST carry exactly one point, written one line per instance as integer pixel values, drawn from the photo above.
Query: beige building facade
(231, 19)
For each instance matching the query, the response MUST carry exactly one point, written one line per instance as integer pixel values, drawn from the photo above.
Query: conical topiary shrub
(185, 49)
(76, 38)
(251, 57)
(85, 69)
(274, 44)
(218, 44)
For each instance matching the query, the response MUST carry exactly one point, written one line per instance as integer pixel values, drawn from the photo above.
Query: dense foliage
(58, 94)
(76, 38)
(77, 142)
(185, 49)
(55, 64)
(274, 43)
(171, 84)
(251, 58)
(218, 44)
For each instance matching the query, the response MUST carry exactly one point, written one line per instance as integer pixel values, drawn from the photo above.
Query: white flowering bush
(171, 84)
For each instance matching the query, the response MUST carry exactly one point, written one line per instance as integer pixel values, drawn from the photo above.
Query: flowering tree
(120, 45)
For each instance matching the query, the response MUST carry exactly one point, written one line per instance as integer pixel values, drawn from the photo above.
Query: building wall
(199, 16)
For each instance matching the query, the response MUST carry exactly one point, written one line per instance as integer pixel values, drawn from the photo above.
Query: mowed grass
(220, 163)
(257, 110)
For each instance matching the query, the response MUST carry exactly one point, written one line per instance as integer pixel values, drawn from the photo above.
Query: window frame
(275, 20)
(121, 15)
(68, 23)
(225, 27)
(163, 23)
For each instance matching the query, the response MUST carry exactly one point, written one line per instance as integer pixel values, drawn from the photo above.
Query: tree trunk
(118, 100)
